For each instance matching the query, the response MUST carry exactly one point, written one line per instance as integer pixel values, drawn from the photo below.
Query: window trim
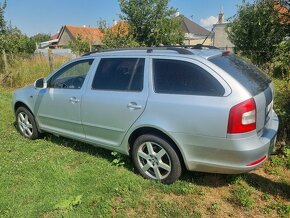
(114, 90)
(213, 73)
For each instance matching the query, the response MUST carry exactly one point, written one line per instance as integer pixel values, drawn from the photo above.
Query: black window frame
(120, 90)
(223, 89)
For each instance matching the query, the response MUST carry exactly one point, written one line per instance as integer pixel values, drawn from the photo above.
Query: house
(69, 34)
(51, 43)
(194, 33)
(220, 36)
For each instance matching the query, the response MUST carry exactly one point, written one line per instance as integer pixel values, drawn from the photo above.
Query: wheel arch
(157, 132)
(21, 104)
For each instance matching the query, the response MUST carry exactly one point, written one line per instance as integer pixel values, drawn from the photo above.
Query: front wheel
(26, 123)
(156, 159)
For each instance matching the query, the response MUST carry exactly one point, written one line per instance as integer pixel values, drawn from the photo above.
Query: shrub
(282, 107)
(281, 62)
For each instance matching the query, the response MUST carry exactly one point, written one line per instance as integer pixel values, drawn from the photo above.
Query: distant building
(220, 36)
(70, 33)
(194, 33)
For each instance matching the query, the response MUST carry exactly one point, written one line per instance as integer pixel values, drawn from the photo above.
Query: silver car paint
(197, 124)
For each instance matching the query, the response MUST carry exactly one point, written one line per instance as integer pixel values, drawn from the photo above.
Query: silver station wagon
(168, 108)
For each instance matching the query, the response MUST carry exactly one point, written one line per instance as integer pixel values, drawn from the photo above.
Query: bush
(282, 107)
(281, 62)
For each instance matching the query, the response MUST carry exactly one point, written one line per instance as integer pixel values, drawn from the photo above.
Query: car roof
(151, 51)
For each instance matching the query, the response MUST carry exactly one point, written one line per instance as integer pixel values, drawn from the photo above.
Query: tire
(156, 159)
(26, 123)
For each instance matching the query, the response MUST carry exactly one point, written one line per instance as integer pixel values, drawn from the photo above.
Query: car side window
(72, 76)
(185, 78)
(119, 74)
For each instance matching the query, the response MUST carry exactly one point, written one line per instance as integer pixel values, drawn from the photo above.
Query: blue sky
(47, 16)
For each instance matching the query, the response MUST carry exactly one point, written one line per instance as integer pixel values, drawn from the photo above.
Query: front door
(114, 101)
(58, 106)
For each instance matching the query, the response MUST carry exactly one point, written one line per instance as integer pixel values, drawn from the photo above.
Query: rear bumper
(229, 155)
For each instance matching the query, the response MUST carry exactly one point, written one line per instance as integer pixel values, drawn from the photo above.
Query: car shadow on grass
(91, 150)
(261, 183)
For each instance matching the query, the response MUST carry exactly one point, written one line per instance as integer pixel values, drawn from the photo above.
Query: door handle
(133, 106)
(74, 100)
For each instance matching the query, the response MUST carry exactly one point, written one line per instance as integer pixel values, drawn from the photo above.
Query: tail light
(242, 117)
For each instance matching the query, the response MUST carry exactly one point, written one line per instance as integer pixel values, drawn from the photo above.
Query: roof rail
(179, 50)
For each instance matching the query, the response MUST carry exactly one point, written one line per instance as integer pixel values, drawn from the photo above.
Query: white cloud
(208, 22)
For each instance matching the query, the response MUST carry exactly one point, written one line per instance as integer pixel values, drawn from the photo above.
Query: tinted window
(181, 77)
(71, 76)
(251, 77)
(123, 74)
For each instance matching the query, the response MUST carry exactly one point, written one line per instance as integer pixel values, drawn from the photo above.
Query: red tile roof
(283, 11)
(55, 36)
(91, 34)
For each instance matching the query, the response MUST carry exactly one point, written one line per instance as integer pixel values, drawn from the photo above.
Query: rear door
(115, 99)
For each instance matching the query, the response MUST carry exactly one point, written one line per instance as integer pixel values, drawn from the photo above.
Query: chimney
(177, 14)
(221, 16)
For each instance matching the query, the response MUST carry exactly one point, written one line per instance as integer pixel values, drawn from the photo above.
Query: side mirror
(40, 84)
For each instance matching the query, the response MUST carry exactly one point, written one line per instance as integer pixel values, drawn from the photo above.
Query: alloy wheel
(154, 160)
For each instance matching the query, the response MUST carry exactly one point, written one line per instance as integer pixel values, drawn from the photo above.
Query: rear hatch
(255, 81)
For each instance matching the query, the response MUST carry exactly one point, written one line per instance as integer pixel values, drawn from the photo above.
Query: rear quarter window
(250, 76)
(184, 78)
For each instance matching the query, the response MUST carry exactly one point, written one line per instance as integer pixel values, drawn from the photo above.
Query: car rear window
(184, 78)
(250, 76)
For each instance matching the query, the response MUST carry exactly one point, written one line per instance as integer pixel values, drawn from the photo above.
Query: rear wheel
(156, 159)
(26, 123)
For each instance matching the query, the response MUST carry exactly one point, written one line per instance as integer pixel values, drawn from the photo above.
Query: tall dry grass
(25, 70)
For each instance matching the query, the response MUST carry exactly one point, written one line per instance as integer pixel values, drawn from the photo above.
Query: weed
(214, 207)
(266, 196)
(69, 203)
(242, 196)
(118, 160)
(283, 210)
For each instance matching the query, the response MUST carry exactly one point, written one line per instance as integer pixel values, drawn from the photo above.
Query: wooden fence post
(6, 75)
(50, 60)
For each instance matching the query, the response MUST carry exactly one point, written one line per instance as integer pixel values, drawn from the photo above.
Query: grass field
(57, 177)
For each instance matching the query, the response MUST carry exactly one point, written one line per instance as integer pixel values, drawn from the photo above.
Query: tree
(79, 46)
(118, 37)
(2, 19)
(152, 22)
(256, 30)
(40, 37)
(11, 38)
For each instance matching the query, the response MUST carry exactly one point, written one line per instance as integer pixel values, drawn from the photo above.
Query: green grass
(242, 196)
(57, 177)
